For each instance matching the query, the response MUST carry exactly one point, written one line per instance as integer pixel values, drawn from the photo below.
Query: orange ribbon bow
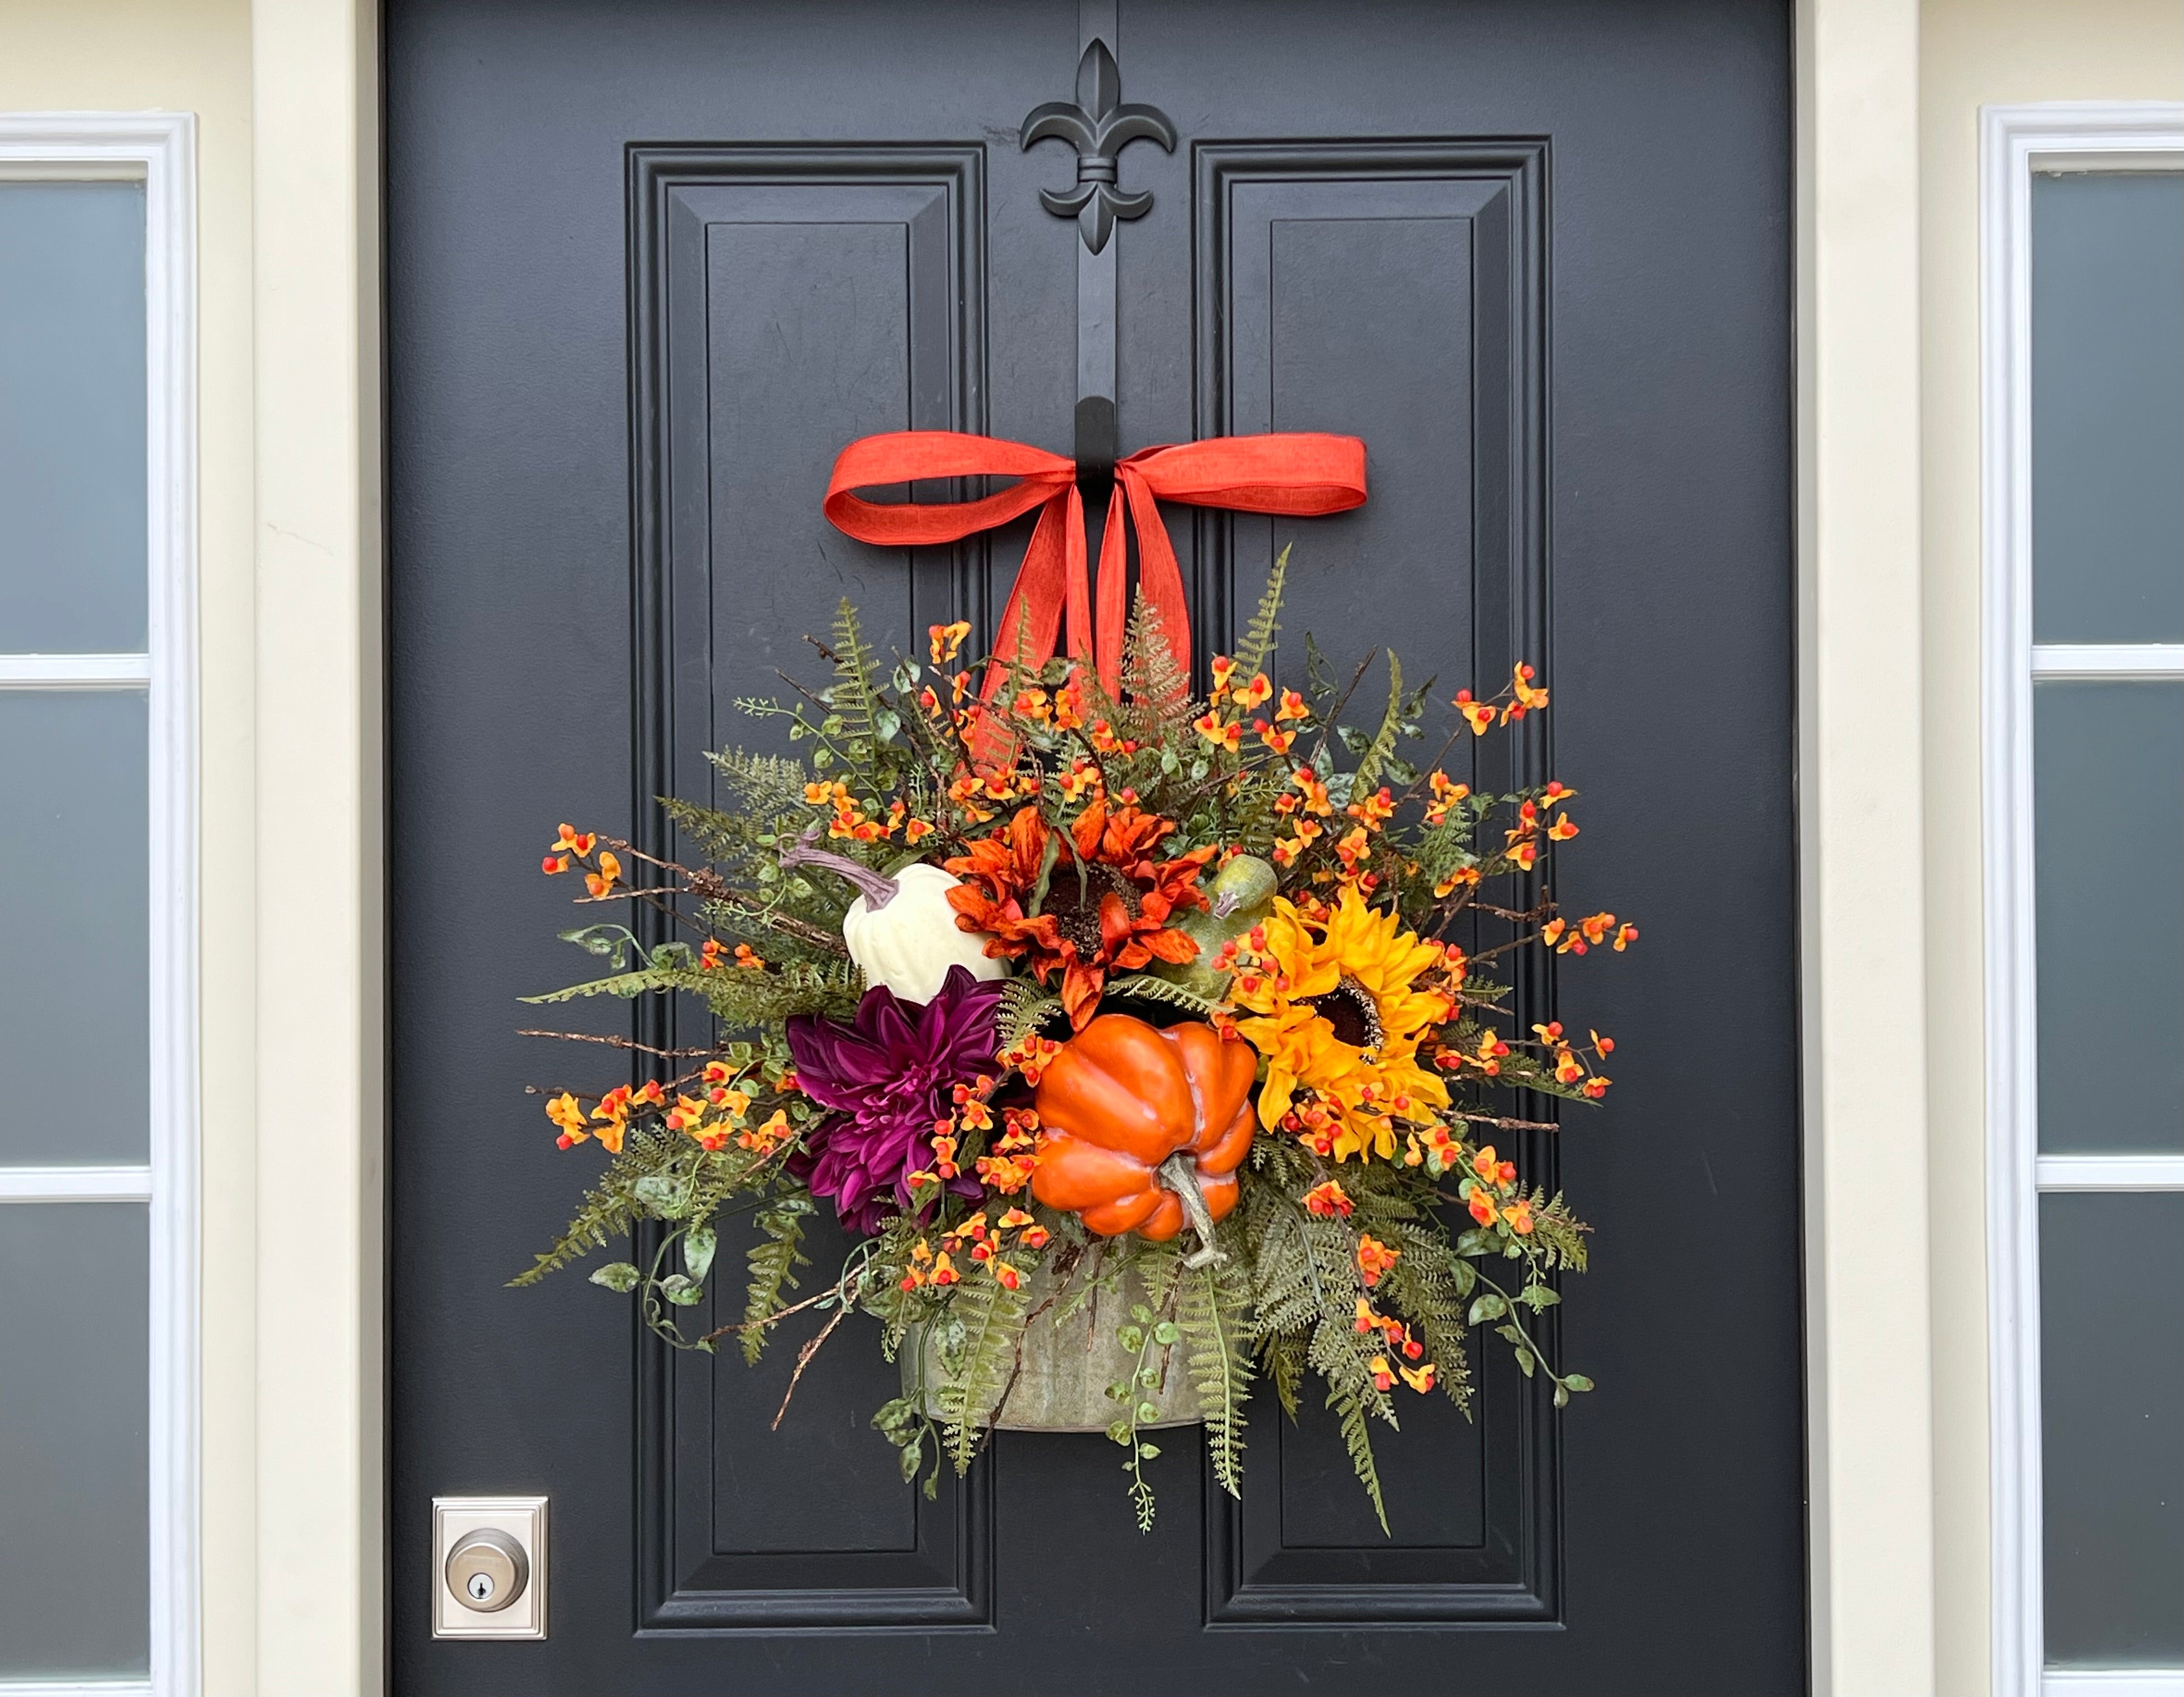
(1300, 475)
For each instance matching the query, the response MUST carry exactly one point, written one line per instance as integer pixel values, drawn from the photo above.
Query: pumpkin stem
(1179, 1173)
(876, 888)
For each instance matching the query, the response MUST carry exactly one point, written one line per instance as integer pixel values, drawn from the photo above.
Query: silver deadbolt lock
(488, 1569)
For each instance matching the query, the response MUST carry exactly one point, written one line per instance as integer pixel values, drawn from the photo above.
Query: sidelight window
(2085, 897)
(97, 1070)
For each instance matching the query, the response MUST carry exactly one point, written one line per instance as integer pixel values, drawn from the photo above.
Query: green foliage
(1210, 1302)
(1350, 1410)
(1024, 1009)
(1288, 1297)
(608, 1209)
(1157, 704)
(1383, 744)
(773, 1261)
(1257, 647)
(1145, 987)
(742, 1000)
(979, 1353)
(1428, 1287)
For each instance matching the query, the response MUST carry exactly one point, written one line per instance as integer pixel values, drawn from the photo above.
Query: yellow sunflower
(1340, 1024)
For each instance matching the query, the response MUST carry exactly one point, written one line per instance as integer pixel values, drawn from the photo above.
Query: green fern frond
(992, 1320)
(627, 984)
(1258, 645)
(765, 785)
(1384, 740)
(1358, 1439)
(774, 1262)
(1024, 1008)
(1283, 1359)
(740, 1000)
(1428, 1287)
(855, 695)
(608, 1210)
(1158, 706)
(1146, 987)
(1210, 1305)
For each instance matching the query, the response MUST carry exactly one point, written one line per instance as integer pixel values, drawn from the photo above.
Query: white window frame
(159, 150)
(2016, 143)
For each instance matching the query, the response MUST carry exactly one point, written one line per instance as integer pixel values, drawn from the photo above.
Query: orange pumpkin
(1127, 1111)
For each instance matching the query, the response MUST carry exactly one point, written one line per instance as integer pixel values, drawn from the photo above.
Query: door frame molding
(319, 1390)
(320, 1426)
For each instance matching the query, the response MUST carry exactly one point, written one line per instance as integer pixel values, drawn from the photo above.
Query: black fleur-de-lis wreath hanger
(1099, 125)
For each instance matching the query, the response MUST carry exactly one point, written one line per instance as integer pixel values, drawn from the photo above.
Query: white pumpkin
(900, 930)
(910, 941)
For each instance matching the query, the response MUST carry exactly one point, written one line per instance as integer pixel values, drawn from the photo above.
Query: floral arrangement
(1071, 997)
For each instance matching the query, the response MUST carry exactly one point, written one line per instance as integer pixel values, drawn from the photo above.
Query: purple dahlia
(887, 1075)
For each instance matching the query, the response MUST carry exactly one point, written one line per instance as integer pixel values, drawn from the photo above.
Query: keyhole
(481, 1587)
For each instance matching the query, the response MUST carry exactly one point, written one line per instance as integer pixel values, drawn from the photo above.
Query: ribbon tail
(1080, 586)
(1114, 600)
(1032, 619)
(1160, 578)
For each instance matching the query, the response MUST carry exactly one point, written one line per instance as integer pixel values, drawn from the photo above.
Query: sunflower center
(1073, 900)
(1349, 1007)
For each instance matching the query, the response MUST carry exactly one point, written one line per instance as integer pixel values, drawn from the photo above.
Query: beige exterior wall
(194, 56)
(1889, 92)
(1976, 53)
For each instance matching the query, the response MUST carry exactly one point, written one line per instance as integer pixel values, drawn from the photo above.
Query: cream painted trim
(2015, 142)
(321, 1055)
(159, 150)
(1862, 919)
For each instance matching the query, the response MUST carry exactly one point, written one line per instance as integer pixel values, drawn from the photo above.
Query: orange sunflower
(1108, 899)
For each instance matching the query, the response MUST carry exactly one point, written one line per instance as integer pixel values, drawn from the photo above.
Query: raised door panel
(785, 299)
(1393, 290)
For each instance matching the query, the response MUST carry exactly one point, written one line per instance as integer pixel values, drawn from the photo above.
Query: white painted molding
(2113, 1681)
(75, 672)
(2015, 142)
(159, 149)
(74, 1184)
(2114, 662)
(76, 1687)
(2109, 1171)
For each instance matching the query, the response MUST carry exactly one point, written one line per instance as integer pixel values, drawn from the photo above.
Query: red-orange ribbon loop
(1300, 475)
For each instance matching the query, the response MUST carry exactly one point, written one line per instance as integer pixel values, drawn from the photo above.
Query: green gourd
(1240, 896)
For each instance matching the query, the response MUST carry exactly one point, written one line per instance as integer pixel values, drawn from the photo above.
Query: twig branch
(619, 1042)
(775, 1317)
(1502, 1123)
(803, 1359)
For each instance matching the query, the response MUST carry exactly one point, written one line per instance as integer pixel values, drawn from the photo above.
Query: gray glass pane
(74, 995)
(72, 417)
(2112, 1415)
(75, 1536)
(2108, 408)
(2109, 796)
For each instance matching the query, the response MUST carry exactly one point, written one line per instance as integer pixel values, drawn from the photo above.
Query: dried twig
(775, 1317)
(803, 1359)
(619, 1042)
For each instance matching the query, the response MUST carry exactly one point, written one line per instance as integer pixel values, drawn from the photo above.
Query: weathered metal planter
(1065, 1366)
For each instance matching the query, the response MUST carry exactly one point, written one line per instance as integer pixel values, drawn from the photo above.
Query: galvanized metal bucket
(1070, 1355)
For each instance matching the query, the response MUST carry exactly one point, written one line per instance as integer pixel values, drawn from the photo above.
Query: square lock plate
(494, 1549)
